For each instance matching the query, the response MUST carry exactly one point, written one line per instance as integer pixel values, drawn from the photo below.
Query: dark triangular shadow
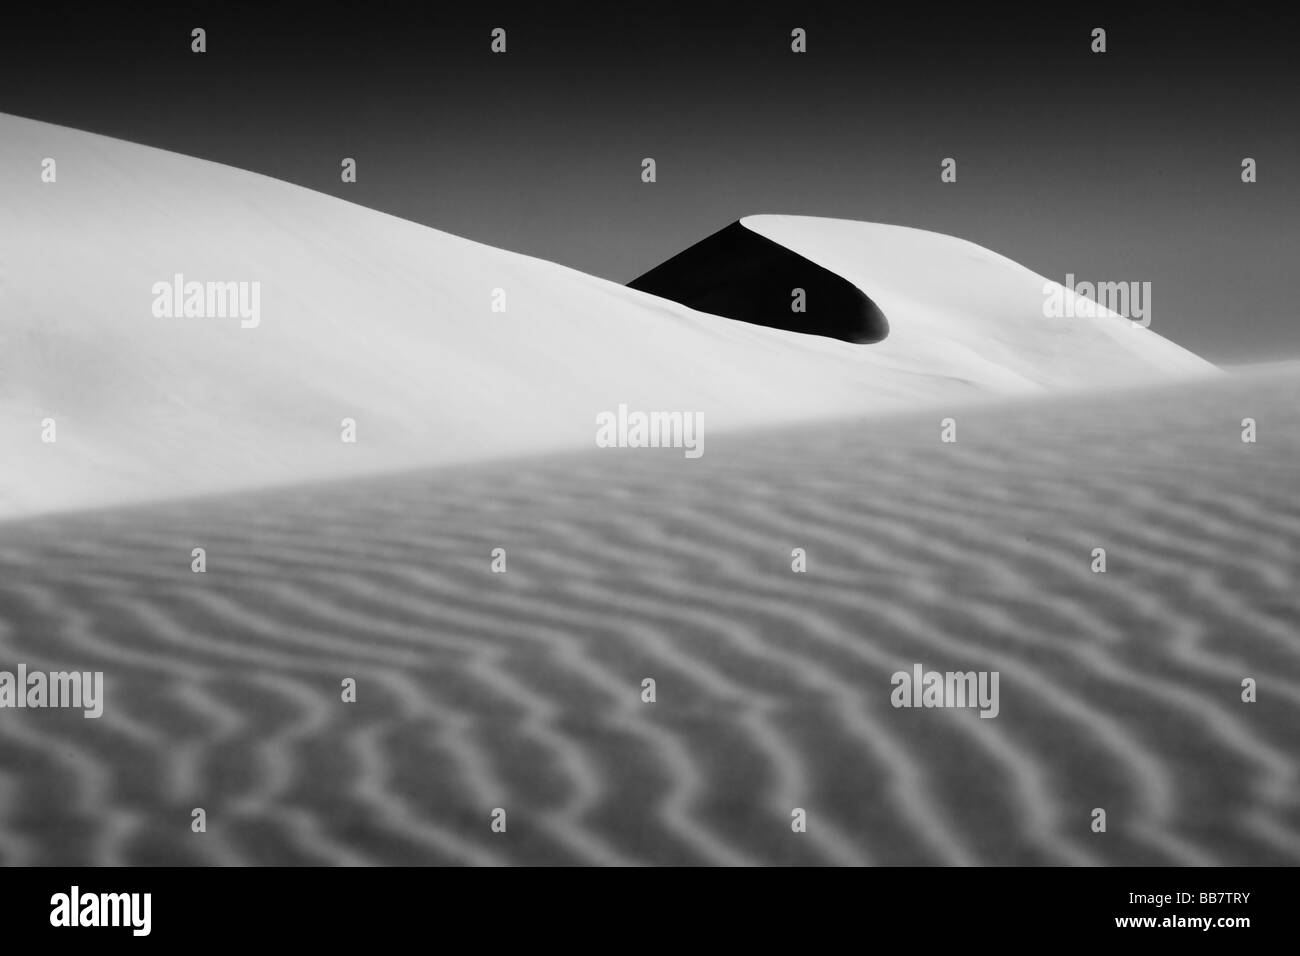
(741, 275)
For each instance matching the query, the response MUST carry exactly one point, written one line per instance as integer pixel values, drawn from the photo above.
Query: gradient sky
(1122, 166)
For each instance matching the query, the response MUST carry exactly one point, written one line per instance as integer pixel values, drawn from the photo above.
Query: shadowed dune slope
(522, 690)
(741, 275)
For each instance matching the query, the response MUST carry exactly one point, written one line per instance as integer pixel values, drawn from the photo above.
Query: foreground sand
(522, 690)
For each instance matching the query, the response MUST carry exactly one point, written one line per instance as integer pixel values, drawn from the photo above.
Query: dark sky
(1122, 166)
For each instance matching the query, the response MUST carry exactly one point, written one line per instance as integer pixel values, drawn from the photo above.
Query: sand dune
(521, 690)
(391, 324)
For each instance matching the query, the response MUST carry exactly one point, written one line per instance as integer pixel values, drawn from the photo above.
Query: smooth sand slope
(390, 323)
(521, 690)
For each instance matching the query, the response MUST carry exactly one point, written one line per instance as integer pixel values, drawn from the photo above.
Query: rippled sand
(522, 690)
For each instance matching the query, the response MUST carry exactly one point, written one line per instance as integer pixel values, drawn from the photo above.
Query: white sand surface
(373, 318)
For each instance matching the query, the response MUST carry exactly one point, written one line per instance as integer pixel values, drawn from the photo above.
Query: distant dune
(367, 317)
(522, 690)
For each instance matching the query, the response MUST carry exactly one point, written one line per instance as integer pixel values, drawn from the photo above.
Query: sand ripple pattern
(522, 690)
